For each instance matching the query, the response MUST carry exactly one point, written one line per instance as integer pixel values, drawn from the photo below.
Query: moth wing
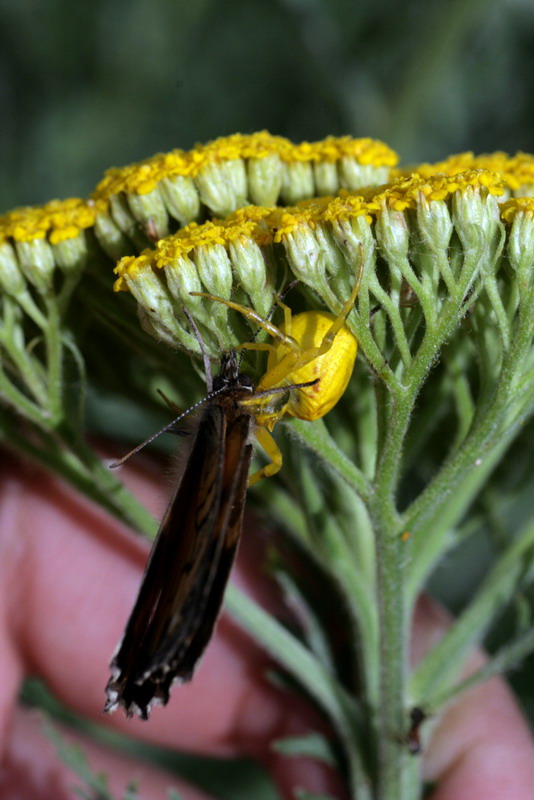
(227, 533)
(165, 627)
(174, 555)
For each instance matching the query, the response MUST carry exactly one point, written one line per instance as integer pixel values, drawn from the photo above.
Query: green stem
(486, 434)
(19, 401)
(438, 668)
(503, 661)
(319, 441)
(393, 767)
(436, 535)
(54, 358)
(343, 710)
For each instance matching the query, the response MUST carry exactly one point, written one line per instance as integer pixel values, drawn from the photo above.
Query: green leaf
(311, 745)
(73, 756)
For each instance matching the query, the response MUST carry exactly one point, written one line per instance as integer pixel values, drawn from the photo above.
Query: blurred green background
(86, 86)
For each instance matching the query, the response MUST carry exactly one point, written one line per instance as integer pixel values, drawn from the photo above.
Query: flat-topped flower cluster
(229, 217)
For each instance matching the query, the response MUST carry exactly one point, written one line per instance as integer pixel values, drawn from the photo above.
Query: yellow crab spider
(314, 347)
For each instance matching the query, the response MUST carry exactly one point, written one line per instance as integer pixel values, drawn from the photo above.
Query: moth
(183, 586)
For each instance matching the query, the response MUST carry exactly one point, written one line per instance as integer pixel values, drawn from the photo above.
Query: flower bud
(353, 175)
(181, 198)
(110, 237)
(475, 211)
(302, 249)
(392, 234)
(519, 212)
(126, 222)
(70, 254)
(223, 186)
(36, 260)
(434, 224)
(251, 271)
(297, 183)
(150, 212)
(11, 279)
(265, 178)
(326, 177)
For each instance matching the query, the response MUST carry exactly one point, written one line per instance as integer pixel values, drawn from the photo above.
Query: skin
(68, 578)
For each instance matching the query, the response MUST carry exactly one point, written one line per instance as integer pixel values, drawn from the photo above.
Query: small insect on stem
(417, 717)
(182, 590)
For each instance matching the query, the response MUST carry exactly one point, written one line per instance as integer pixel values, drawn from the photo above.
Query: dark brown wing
(182, 589)
(228, 531)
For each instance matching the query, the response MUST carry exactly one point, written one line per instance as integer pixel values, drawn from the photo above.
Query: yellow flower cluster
(55, 221)
(143, 177)
(272, 225)
(517, 171)
(59, 221)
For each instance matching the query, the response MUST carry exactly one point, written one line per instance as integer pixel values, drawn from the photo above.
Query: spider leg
(338, 323)
(249, 313)
(273, 451)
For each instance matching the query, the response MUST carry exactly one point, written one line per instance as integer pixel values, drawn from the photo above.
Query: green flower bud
(11, 279)
(149, 210)
(182, 278)
(110, 237)
(353, 175)
(126, 222)
(215, 269)
(336, 267)
(215, 272)
(351, 226)
(326, 177)
(265, 178)
(476, 217)
(303, 253)
(71, 254)
(520, 212)
(181, 198)
(174, 336)
(251, 270)
(36, 260)
(434, 224)
(298, 183)
(150, 292)
(392, 234)
(223, 186)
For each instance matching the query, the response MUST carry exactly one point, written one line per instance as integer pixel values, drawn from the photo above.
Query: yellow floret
(511, 208)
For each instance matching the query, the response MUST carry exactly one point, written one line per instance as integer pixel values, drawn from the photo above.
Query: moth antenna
(165, 428)
(205, 357)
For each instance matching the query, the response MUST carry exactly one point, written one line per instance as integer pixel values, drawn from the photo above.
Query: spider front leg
(266, 441)
(252, 315)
